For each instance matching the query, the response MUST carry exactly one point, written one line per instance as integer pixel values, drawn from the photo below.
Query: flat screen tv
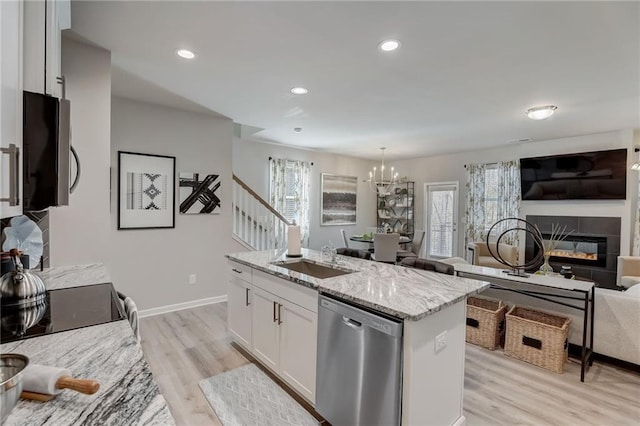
(599, 175)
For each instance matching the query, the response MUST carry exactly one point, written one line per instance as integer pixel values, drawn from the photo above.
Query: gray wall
(251, 164)
(451, 168)
(79, 233)
(153, 265)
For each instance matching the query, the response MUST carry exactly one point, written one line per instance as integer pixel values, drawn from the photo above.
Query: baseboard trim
(180, 306)
(575, 351)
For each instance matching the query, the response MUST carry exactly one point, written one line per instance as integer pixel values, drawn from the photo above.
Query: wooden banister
(261, 200)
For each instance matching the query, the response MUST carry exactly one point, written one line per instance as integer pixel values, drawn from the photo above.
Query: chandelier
(380, 181)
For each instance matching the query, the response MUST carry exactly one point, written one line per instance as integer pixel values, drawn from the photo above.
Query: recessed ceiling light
(299, 91)
(541, 112)
(389, 45)
(297, 129)
(186, 54)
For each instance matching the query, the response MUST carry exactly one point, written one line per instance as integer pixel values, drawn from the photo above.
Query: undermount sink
(311, 268)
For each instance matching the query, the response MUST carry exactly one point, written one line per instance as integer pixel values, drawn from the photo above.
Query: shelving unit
(395, 209)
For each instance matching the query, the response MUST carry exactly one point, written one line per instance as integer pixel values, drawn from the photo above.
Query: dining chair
(416, 245)
(131, 311)
(385, 247)
(353, 252)
(345, 240)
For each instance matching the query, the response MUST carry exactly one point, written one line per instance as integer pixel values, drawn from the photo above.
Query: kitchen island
(107, 353)
(431, 307)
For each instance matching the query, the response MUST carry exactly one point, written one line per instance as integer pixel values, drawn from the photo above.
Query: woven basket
(537, 338)
(485, 322)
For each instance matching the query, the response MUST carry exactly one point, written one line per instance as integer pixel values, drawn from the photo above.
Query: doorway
(441, 217)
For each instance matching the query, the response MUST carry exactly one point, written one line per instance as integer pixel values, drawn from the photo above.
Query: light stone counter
(406, 293)
(73, 276)
(108, 353)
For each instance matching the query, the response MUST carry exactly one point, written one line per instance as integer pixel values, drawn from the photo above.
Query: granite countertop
(406, 293)
(108, 353)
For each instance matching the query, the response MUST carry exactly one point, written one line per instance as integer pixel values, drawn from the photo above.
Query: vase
(546, 269)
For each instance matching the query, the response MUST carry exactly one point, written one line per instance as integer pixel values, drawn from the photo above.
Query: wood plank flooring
(187, 346)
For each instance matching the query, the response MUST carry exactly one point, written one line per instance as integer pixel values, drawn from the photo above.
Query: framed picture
(339, 196)
(146, 191)
(198, 193)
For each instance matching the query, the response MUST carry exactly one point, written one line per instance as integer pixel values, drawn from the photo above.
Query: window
(491, 195)
(291, 200)
(289, 191)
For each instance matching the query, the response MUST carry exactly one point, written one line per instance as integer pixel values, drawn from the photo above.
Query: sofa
(482, 257)
(628, 271)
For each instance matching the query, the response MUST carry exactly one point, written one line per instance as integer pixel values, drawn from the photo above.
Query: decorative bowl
(11, 370)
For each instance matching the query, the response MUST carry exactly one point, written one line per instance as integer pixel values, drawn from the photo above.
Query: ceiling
(462, 79)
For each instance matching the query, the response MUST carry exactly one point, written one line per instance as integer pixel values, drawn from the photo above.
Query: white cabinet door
(11, 107)
(298, 336)
(265, 332)
(44, 22)
(239, 311)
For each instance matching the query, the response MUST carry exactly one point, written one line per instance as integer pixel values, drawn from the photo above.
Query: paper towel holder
(298, 255)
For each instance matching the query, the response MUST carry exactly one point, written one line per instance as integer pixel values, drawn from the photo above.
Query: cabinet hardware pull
(14, 182)
(236, 270)
(279, 314)
(275, 319)
(246, 297)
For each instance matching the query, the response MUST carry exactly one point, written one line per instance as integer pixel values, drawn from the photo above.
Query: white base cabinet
(239, 311)
(283, 318)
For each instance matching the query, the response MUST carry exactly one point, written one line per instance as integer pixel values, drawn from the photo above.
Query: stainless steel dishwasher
(359, 365)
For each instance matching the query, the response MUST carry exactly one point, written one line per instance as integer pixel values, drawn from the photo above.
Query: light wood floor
(187, 346)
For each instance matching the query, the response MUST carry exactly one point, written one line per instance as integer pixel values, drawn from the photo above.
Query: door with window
(441, 217)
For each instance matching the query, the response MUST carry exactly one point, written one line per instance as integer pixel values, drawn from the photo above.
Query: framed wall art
(146, 191)
(199, 193)
(339, 196)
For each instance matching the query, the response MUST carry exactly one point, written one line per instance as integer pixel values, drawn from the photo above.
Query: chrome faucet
(330, 252)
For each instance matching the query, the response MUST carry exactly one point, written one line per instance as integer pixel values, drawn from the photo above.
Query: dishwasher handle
(351, 322)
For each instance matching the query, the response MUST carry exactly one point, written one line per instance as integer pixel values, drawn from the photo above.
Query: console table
(575, 294)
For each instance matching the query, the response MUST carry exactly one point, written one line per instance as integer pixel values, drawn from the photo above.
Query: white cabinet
(298, 338)
(11, 19)
(283, 318)
(44, 21)
(239, 304)
(266, 330)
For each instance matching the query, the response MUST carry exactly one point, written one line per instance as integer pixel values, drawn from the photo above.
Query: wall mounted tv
(599, 175)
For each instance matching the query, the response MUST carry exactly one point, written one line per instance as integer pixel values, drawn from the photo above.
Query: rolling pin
(42, 383)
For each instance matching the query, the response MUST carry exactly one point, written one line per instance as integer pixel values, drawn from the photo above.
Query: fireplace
(578, 250)
(592, 248)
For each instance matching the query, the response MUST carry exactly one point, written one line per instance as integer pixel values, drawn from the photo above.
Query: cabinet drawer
(240, 271)
(295, 293)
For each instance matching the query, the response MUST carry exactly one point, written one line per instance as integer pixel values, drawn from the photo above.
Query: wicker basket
(537, 338)
(485, 322)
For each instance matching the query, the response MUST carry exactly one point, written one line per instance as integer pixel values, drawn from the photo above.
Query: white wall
(153, 265)
(451, 168)
(79, 233)
(251, 165)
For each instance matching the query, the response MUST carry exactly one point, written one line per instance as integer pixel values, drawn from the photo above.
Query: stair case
(256, 225)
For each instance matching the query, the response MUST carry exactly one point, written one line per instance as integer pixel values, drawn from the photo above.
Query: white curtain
(296, 174)
(508, 201)
(474, 210)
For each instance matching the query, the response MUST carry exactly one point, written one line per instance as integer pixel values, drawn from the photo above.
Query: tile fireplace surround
(605, 231)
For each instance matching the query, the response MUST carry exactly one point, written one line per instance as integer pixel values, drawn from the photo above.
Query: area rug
(247, 396)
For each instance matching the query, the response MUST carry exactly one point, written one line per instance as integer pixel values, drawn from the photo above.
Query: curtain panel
(475, 209)
(509, 198)
(508, 205)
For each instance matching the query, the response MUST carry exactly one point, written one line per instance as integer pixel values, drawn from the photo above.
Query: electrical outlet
(192, 279)
(441, 341)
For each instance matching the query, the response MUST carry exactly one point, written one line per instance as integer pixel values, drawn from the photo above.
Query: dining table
(365, 239)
